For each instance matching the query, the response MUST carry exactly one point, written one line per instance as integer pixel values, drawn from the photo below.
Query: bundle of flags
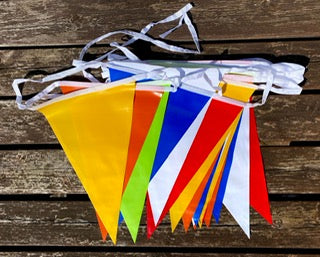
(177, 138)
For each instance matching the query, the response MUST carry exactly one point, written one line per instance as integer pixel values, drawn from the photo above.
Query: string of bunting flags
(178, 138)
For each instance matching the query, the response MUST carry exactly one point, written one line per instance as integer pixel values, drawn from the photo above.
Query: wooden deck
(44, 210)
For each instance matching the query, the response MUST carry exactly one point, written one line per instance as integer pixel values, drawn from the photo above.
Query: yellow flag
(94, 131)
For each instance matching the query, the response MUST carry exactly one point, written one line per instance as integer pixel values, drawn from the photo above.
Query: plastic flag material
(89, 144)
(215, 204)
(236, 197)
(176, 137)
(258, 188)
(219, 113)
(194, 170)
(134, 195)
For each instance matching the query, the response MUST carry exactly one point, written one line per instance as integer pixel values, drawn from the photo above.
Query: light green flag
(134, 196)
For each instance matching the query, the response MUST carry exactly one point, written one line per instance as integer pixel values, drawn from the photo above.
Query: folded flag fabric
(176, 137)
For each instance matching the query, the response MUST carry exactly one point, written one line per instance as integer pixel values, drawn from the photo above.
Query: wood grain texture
(74, 224)
(158, 253)
(288, 118)
(40, 37)
(289, 170)
(280, 122)
(20, 63)
(48, 22)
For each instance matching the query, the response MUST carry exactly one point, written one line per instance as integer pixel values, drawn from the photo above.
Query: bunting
(178, 138)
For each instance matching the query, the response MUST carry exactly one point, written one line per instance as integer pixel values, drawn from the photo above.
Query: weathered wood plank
(288, 118)
(289, 170)
(19, 63)
(148, 253)
(37, 172)
(23, 127)
(282, 120)
(292, 169)
(76, 22)
(74, 224)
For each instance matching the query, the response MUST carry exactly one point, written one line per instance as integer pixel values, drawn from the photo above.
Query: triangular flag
(188, 214)
(116, 74)
(144, 108)
(259, 199)
(104, 232)
(151, 227)
(183, 200)
(222, 188)
(66, 89)
(207, 213)
(217, 120)
(236, 197)
(161, 184)
(202, 201)
(215, 184)
(134, 196)
(94, 133)
(182, 109)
